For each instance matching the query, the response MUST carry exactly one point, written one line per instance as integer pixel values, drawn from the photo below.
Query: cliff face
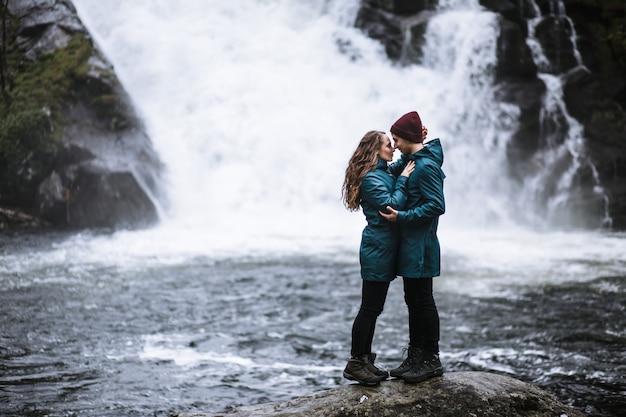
(72, 150)
(596, 95)
(591, 68)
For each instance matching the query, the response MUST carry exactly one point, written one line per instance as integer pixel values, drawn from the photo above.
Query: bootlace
(406, 357)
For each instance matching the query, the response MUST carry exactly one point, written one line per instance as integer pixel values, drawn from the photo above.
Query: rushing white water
(255, 107)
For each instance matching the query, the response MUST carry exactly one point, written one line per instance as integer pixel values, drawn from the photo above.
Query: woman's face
(385, 152)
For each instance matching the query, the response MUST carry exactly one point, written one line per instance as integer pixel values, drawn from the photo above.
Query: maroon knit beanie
(408, 127)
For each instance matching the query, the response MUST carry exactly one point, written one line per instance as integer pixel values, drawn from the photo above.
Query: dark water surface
(205, 335)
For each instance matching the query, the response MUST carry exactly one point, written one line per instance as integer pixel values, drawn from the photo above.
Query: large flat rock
(479, 394)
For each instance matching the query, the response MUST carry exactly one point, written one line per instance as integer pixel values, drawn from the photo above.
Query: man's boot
(357, 370)
(413, 357)
(429, 367)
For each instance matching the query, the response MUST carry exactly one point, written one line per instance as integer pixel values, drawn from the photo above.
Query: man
(419, 253)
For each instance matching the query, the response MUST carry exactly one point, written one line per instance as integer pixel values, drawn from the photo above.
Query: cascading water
(255, 110)
(246, 291)
(461, 57)
(551, 188)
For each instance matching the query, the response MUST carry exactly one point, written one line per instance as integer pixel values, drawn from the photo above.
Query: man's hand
(392, 216)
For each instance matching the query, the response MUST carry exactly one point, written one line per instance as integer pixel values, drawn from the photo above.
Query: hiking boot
(428, 367)
(371, 357)
(357, 370)
(413, 357)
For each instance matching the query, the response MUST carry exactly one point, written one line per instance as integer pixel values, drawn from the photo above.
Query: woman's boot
(358, 370)
(371, 357)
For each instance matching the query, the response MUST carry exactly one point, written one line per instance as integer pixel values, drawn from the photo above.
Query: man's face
(401, 144)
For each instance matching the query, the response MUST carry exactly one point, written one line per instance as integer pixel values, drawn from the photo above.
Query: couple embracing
(402, 202)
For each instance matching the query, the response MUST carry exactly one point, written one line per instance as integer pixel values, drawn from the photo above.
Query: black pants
(423, 315)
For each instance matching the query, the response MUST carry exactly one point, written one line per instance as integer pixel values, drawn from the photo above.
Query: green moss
(109, 107)
(31, 108)
(50, 81)
(24, 139)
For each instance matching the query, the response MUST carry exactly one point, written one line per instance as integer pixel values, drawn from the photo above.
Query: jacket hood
(431, 150)
(381, 164)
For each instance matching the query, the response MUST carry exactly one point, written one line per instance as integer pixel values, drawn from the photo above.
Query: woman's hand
(408, 169)
(424, 133)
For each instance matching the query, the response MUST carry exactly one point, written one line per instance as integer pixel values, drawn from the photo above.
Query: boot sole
(413, 380)
(360, 381)
(398, 374)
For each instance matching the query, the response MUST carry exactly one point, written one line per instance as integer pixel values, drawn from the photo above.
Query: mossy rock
(72, 149)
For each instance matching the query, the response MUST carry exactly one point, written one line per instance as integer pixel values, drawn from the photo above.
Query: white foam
(169, 348)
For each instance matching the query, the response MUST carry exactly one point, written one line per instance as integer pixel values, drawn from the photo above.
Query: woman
(369, 184)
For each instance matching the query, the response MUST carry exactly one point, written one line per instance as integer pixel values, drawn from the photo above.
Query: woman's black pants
(423, 315)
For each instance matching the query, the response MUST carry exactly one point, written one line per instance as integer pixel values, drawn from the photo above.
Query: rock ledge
(454, 394)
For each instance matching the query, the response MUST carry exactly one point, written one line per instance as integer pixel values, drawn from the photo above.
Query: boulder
(77, 155)
(454, 394)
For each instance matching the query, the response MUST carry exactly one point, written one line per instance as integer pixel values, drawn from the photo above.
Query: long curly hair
(363, 160)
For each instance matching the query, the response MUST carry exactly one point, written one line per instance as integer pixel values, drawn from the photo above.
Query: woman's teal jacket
(379, 241)
(419, 252)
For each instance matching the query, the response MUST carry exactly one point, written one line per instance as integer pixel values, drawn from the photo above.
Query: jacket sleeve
(375, 192)
(433, 202)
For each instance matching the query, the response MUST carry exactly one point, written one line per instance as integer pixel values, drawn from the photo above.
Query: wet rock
(383, 26)
(514, 11)
(601, 38)
(14, 219)
(605, 126)
(104, 171)
(452, 395)
(514, 56)
(554, 34)
(402, 36)
(527, 95)
(402, 6)
(36, 15)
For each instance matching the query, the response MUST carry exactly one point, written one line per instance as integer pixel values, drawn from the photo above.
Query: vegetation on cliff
(72, 150)
(36, 94)
(31, 120)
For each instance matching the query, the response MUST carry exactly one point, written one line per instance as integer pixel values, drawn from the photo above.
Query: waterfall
(460, 51)
(551, 188)
(256, 106)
